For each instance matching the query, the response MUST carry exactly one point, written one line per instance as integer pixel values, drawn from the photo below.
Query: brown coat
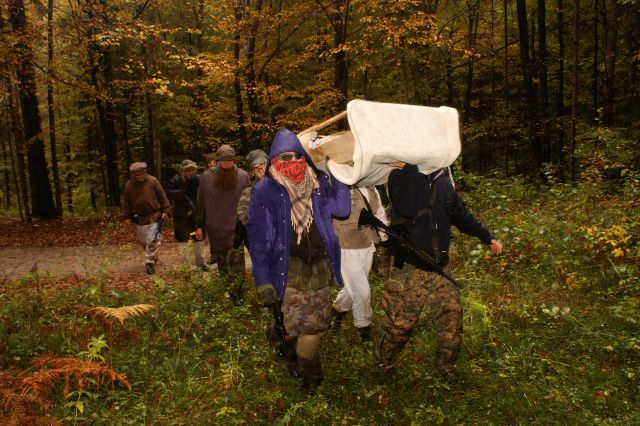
(217, 212)
(347, 229)
(145, 199)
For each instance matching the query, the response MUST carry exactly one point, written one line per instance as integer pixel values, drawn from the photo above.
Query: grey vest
(347, 229)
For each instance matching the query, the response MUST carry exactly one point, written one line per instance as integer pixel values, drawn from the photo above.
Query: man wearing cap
(183, 193)
(218, 195)
(146, 205)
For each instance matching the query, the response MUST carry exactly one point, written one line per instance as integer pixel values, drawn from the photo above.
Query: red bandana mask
(293, 169)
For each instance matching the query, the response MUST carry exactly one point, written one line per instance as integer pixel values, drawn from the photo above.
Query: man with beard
(295, 250)
(183, 193)
(218, 195)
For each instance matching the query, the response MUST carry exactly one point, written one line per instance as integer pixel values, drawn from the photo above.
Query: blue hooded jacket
(269, 219)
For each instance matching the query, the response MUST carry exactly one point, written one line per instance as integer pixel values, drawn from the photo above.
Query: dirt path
(16, 262)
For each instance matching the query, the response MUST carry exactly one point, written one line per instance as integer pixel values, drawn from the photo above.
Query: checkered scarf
(300, 196)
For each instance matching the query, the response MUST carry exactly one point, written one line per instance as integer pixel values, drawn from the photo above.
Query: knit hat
(255, 157)
(209, 157)
(225, 152)
(138, 166)
(188, 165)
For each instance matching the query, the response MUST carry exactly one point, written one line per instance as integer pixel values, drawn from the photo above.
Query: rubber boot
(309, 367)
(365, 334)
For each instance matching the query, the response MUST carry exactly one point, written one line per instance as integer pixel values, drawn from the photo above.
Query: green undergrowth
(551, 333)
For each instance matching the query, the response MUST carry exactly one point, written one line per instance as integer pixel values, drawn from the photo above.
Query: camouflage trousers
(407, 291)
(306, 306)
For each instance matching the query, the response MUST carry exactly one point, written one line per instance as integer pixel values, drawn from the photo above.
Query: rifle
(276, 308)
(423, 259)
(159, 231)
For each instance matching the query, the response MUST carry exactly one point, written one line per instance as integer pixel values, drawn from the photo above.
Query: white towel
(385, 133)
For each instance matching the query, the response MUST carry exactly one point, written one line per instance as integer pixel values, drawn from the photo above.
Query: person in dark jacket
(424, 207)
(295, 250)
(183, 193)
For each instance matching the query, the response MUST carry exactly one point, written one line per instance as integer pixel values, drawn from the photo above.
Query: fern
(122, 313)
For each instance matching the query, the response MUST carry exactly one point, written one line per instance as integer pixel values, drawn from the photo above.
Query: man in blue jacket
(294, 249)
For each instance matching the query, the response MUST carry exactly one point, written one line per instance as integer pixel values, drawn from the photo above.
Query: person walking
(146, 205)
(295, 250)
(357, 247)
(218, 196)
(424, 207)
(183, 193)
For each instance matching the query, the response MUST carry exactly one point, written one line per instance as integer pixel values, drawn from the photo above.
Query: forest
(547, 95)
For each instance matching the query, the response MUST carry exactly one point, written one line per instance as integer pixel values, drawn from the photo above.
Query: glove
(267, 294)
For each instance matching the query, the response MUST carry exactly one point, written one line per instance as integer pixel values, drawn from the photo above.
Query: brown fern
(122, 313)
(54, 369)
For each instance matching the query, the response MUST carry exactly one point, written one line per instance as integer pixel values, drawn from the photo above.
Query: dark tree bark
(543, 61)
(338, 16)
(610, 48)
(505, 7)
(595, 88)
(41, 196)
(18, 138)
(574, 88)
(50, 109)
(6, 159)
(255, 111)
(531, 113)
(151, 103)
(237, 87)
(100, 66)
(561, 107)
(472, 28)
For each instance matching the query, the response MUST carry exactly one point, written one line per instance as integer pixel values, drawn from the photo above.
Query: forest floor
(79, 247)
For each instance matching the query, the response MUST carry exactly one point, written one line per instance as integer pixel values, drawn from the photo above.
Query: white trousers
(149, 238)
(356, 293)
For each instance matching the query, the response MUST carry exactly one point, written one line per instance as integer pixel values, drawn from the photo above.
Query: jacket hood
(287, 141)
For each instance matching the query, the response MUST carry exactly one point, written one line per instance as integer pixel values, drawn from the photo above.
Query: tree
(42, 205)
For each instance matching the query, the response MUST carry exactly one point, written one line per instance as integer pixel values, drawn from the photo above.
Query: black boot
(311, 372)
(336, 323)
(151, 268)
(365, 334)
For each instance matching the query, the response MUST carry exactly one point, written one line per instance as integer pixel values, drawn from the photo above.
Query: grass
(551, 333)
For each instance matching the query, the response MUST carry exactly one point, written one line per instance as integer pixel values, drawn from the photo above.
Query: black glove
(267, 294)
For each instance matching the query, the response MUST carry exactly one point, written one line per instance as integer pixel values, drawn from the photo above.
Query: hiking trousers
(149, 238)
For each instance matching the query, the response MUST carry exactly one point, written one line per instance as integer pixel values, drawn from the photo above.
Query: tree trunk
(250, 77)
(151, 103)
(341, 78)
(111, 137)
(41, 196)
(52, 121)
(237, 88)
(574, 88)
(18, 137)
(542, 76)
(505, 7)
(561, 108)
(472, 27)
(596, 48)
(531, 114)
(610, 45)
(5, 160)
